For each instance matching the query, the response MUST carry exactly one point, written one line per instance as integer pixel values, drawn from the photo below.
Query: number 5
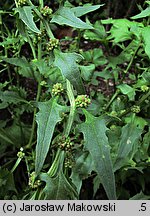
(143, 206)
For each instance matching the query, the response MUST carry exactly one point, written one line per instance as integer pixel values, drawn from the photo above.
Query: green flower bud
(46, 11)
(22, 3)
(113, 113)
(32, 183)
(53, 43)
(57, 89)
(135, 109)
(21, 154)
(82, 101)
(144, 88)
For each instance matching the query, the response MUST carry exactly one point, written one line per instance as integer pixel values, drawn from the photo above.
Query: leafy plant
(74, 109)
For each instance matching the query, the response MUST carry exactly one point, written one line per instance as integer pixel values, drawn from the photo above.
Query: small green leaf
(11, 97)
(58, 188)
(47, 118)
(82, 10)
(146, 38)
(128, 145)
(25, 14)
(144, 13)
(127, 90)
(140, 196)
(66, 62)
(25, 71)
(66, 16)
(98, 33)
(96, 142)
(83, 167)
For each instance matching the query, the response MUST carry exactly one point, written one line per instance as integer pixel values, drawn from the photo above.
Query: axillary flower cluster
(21, 3)
(46, 11)
(82, 101)
(57, 89)
(53, 43)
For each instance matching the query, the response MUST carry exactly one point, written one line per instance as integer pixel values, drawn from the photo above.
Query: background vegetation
(74, 99)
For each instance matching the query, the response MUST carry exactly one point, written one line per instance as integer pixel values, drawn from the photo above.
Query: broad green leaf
(140, 196)
(7, 184)
(58, 188)
(127, 90)
(25, 14)
(87, 71)
(11, 97)
(146, 38)
(128, 145)
(47, 118)
(65, 16)
(141, 122)
(83, 167)
(25, 71)
(82, 10)
(120, 30)
(9, 41)
(98, 33)
(96, 142)
(66, 62)
(4, 136)
(144, 13)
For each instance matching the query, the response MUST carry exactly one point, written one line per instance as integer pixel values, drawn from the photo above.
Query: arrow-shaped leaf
(66, 16)
(66, 62)
(82, 10)
(96, 142)
(25, 14)
(58, 188)
(129, 140)
(47, 118)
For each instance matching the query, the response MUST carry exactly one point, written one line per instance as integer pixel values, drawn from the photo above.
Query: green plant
(72, 116)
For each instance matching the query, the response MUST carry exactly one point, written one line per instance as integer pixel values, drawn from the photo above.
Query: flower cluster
(46, 11)
(69, 162)
(22, 3)
(53, 43)
(82, 101)
(20, 154)
(65, 144)
(135, 109)
(32, 183)
(57, 89)
(144, 88)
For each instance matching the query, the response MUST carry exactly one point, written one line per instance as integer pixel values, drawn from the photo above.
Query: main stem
(72, 108)
(34, 118)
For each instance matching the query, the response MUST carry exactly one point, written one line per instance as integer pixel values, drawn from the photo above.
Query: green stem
(72, 108)
(16, 164)
(34, 118)
(57, 163)
(49, 32)
(31, 45)
(131, 61)
(143, 98)
(41, 3)
(113, 98)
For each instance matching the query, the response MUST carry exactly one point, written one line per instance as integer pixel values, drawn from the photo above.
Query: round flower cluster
(66, 144)
(69, 162)
(32, 183)
(53, 43)
(46, 11)
(135, 109)
(82, 101)
(144, 88)
(21, 2)
(20, 154)
(57, 89)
